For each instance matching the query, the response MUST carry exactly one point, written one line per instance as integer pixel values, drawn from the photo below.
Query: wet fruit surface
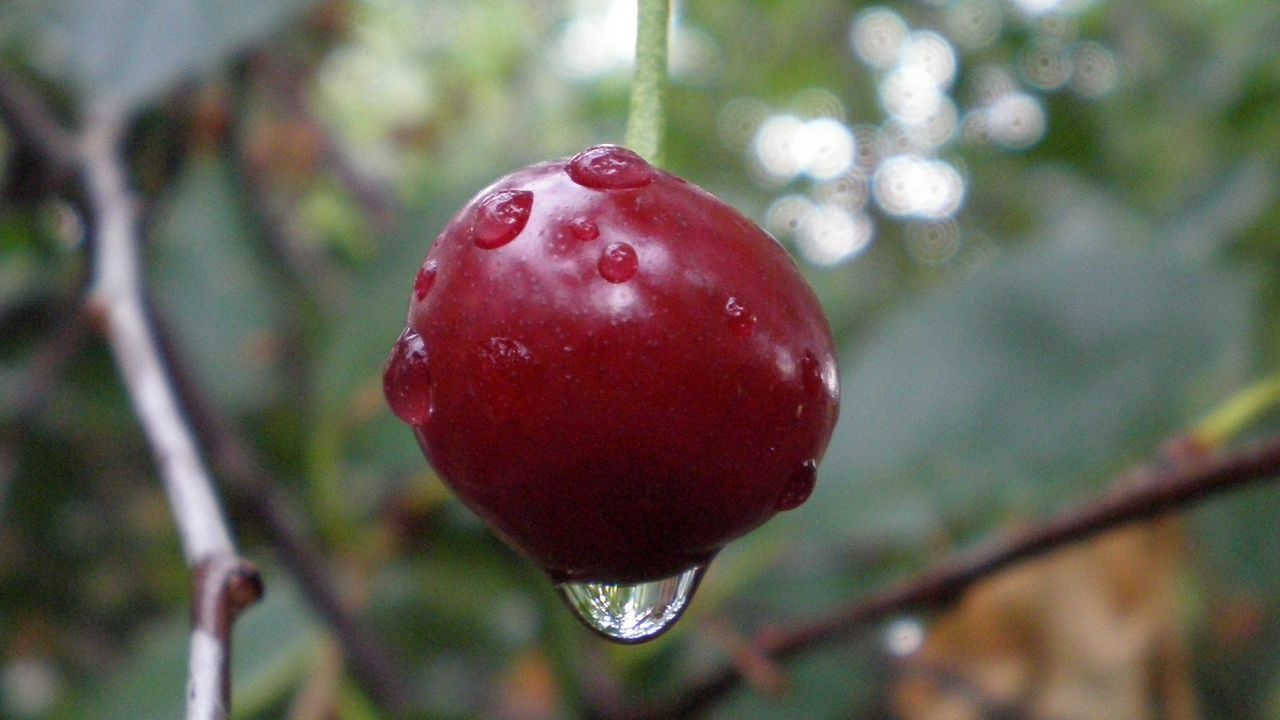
(616, 370)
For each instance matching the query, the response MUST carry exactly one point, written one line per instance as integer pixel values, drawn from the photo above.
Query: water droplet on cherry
(507, 369)
(584, 229)
(500, 217)
(799, 486)
(609, 167)
(741, 320)
(407, 381)
(426, 278)
(618, 263)
(634, 613)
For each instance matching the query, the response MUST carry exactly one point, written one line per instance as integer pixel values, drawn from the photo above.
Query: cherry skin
(616, 370)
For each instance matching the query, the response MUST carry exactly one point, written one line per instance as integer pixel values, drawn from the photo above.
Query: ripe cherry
(618, 372)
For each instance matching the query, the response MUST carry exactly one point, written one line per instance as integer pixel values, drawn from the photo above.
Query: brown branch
(286, 82)
(1161, 487)
(48, 361)
(32, 124)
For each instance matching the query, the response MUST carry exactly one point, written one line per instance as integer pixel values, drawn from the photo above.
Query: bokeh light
(909, 93)
(1095, 70)
(786, 147)
(914, 186)
(831, 235)
(849, 191)
(816, 102)
(824, 233)
(600, 40)
(933, 243)
(1045, 65)
(974, 24)
(739, 120)
(877, 35)
(1015, 120)
(1047, 7)
(857, 168)
(29, 687)
(931, 54)
(784, 215)
(932, 131)
(903, 637)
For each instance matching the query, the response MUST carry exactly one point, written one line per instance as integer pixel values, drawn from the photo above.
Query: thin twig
(1158, 488)
(47, 363)
(286, 82)
(30, 120)
(224, 584)
(115, 298)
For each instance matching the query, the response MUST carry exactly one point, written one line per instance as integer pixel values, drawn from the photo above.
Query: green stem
(1238, 412)
(644, 123)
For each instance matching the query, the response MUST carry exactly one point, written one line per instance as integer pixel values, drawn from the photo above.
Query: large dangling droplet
(631, 614)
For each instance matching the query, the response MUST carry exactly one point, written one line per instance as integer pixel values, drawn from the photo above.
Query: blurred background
(1043, 231)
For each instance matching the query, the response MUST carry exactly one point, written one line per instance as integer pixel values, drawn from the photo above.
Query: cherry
(615, 369)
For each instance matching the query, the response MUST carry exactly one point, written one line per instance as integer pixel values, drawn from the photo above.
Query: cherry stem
(644, 123)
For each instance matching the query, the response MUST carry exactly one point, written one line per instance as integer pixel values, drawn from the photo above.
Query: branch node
(223, 586)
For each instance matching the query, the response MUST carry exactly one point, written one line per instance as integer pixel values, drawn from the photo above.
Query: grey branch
(224, 584)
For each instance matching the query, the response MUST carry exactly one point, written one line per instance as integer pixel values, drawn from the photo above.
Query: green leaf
(129, 51)
(354, 345)
(218, 298)
(1023, 384)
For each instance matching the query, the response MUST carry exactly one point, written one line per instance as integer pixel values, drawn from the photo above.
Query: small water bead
(631, 614)
(741, 320)
(584, 229)
(609, 167)
(799, 486)
(500, 217)
(618, 263)
(407, 379)
(426, 278)
(811, 374)
(501, 378)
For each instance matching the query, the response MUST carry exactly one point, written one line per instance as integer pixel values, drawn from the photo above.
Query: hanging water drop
(631, 614)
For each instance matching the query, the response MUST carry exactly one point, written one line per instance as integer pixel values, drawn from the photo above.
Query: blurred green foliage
(1101, 286)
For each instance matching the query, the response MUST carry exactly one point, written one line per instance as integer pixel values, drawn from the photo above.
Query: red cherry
(616, 370)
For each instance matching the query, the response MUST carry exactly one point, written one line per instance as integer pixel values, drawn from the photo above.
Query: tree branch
(224, 584)
(31, 122)
(264, 503)
(1162, 486)
(223, 587)
(115, 298)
